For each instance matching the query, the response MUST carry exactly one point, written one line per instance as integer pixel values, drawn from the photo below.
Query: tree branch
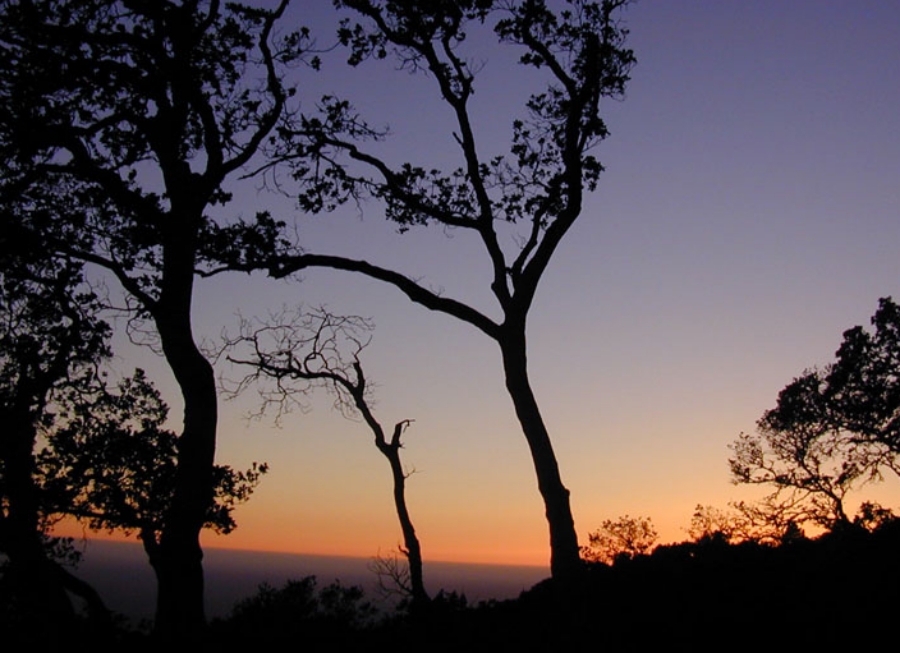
(286, 266)
(275, 88)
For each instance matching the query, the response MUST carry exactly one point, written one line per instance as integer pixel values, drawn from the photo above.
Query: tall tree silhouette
(301, 351)
(130, 115)
(52, 341)
(579, 55)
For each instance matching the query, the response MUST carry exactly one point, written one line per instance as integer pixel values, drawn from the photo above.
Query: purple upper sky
(749, 214)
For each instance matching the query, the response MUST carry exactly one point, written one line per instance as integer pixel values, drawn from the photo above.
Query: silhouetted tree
(130, 115)
(51, 343)
(111, 463)
(812, 474)
(392, 573)
(302, 351)
(540, 184)
(624, 537)
(70, 445)
(872, 516)
(858, 395)
(832, 429)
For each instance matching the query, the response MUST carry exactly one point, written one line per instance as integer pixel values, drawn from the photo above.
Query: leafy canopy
(110, 462)
(623, 538)
(832, 429)
(137, 112)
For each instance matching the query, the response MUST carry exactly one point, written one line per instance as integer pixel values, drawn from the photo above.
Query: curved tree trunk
(180, 602)
(565, 558)
(178, 565)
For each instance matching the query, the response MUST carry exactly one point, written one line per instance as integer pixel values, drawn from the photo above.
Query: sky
(747, 216)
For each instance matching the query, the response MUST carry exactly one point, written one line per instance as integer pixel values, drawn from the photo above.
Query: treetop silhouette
(832, 429)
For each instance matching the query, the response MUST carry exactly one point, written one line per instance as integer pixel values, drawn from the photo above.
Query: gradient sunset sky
(749, 214)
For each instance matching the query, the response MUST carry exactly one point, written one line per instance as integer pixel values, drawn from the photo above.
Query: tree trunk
(413, 550)
(180, 609)
(565, 559)
(180, 614)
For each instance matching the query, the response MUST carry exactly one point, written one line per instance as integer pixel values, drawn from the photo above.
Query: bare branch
(297, 352)
(289, 265)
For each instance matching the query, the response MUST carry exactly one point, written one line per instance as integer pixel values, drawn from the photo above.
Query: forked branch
(301, 352)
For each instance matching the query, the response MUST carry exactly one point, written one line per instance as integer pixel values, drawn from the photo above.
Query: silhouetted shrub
(297, 612)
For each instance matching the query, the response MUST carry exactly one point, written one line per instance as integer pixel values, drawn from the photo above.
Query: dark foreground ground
(839, 591)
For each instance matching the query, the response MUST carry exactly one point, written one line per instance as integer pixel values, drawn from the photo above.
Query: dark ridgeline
(119, 572)
(838, 589)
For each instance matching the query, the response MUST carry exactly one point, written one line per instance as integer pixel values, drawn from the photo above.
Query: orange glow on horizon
(521, 556)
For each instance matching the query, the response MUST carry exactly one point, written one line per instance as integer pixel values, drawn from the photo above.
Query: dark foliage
(699, 596)
(832, 430)
(624, 537)
(330, 618)
(111, 463)
(136, 112)
(52, 341)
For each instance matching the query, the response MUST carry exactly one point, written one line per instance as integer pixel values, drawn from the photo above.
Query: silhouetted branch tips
(392, 574)
(296, 352)
(399, 428)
